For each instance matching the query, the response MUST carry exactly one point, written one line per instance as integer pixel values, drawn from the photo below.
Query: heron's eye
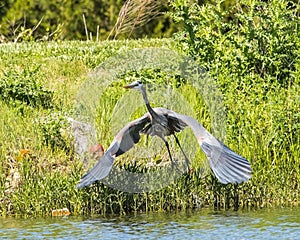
(139, 82)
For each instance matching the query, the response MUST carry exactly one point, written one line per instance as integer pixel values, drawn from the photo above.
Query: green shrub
(56, 131)
(25, 87)
(251, 49)
(250, 37)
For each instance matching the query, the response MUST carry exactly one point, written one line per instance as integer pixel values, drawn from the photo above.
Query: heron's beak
(132, 85)
(127, 86)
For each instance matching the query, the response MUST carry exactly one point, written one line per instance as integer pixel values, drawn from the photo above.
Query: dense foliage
(25, 88)
(250, 48)
(45, 20)
(250, 37)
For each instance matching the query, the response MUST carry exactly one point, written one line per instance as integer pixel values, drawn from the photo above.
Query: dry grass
(135, 13)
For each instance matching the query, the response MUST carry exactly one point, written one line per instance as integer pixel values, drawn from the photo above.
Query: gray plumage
(228, 166)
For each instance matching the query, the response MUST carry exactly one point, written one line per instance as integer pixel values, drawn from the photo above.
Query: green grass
(37, 181)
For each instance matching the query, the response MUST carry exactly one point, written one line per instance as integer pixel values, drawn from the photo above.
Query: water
(204, 224)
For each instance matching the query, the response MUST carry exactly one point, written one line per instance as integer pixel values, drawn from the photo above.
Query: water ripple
(204, 224)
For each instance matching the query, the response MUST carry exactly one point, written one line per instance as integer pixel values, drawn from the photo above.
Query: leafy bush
(56, 131)
(25, 87)
(251, 49)
(250, 37)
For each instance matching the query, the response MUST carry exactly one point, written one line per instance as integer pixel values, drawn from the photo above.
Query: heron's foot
(188, 169)
(175, 165)
(187, 164)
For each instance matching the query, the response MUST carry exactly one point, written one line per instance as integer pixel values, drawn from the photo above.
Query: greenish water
(203, 224)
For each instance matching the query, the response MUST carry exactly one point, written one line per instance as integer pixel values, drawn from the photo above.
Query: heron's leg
(172, 162)
(187, 161)
(147, 140)
(145, 130)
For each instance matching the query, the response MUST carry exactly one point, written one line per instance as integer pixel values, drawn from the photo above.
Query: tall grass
(36, 177)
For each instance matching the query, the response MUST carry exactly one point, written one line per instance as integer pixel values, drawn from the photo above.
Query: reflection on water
(205, 224)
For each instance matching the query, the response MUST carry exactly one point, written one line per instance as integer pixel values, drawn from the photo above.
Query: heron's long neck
(145, 97)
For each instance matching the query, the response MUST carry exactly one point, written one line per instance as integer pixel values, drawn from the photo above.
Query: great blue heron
(228, 166)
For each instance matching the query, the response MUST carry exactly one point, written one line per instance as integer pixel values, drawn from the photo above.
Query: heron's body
(166, 126)
(227, 166)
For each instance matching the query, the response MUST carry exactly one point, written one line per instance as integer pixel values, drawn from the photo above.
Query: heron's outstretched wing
(227, 166)
(123, 141)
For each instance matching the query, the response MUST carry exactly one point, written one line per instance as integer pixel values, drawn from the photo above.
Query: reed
(135, 13)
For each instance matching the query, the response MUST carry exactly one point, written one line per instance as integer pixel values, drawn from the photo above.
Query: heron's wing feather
(98, 172)
(123, 141)
(130, 134)
(228, 166)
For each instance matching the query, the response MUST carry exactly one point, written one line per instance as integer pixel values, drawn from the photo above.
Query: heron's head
(138, 85)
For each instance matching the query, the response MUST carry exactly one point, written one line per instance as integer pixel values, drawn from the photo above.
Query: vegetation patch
(250, 49)
(25, 87)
